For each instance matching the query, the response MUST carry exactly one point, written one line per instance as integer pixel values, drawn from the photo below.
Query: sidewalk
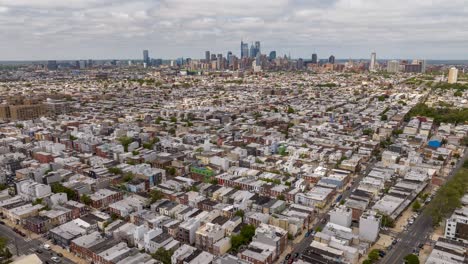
(66, 254)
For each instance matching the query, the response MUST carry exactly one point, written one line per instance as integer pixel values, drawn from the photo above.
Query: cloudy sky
(102, 29)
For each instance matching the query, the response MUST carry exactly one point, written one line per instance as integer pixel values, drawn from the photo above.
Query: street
(321, 219)
(418, 232)
(19, 245)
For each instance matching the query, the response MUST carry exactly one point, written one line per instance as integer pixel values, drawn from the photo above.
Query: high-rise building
(257, 47)
(452, 75)
(422, 63)
(244, 50)
(272, 55)
(393, 66)
(207, 55)
(253, 52)
(314, 58)
(331, 59)
(229, 57)
(213, 57)
(146, 58)
(373, 61)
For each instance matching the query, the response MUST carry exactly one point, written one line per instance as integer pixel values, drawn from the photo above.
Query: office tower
(229, 57)
(272, 55)
(52, 65)
(213, 56)
(253, 53)
(300, 64)
(422, 63)
(331, 59)
(244, 50)
(314, 58)
(220, 61)
(452, 75)
(257, 47)
(372, 65)
(207, 55)
(393, 66)
(146, 58)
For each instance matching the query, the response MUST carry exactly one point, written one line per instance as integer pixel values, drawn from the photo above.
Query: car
(46, 246)
(421, 245)
(287, 256)
(394, 242)
(296, 255)
(55, 259)
(307, 234)
(39, 251)
(60, 255)
(1, 222)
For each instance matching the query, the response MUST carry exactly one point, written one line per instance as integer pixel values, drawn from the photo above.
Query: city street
(418, 232)
(19, 245)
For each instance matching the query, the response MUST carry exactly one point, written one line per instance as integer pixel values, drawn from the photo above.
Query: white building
(452, 75)
(341, 215)
(369, 226)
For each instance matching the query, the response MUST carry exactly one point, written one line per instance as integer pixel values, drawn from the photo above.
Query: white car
(46, 246)
(55, 259)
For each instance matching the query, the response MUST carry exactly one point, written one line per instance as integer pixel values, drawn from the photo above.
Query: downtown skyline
(48, 29)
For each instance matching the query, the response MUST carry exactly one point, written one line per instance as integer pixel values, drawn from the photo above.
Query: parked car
(55, 259)
(287, 256)
(39, 251)
(1, 222)
(46, 246)
(60, 255)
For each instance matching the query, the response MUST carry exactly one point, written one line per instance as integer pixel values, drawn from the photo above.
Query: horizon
(51, 29)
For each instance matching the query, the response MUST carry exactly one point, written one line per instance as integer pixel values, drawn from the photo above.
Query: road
(26, 246)
(323, 217)
(419, 232)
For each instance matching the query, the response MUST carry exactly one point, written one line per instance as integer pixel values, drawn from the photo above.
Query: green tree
(240, 213)
(374, 255)
(125, 141)
(59, 188)
(86, 199)
(171, 171)
(416, 206)
(155, 195)
(115, 170)
(290, 110)
(163, 255)
(128, 177)
(174, 119)
(281, 197)
(411, 259)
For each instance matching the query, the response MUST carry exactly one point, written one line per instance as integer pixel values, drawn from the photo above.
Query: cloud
(74, 29)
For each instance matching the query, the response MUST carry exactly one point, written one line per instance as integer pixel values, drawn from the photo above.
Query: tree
(156, 195)
(387, 221)
(411, 259)
(416, 206)
(384, 117)
(290, 110)
(59, 188)
(374, 255)
(318, 229)
(367, 261)
(125, 141)
(174, 119)
(240, 213)
(86, 199)
(115, 170)
(171, 171)
(280, 197)
(163, 255)
(127, 177)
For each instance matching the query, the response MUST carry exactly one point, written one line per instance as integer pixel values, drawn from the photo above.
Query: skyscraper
(146, 58)
(272, 55)
(253, 52)
(229, 57)
(452, 75)
(331, 59)
(372, 65)
(244, 50)
(314, 58)
(257, 47)
(393, 66)
(207, 55)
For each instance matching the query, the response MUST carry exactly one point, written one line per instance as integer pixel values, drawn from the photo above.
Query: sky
(121, 29)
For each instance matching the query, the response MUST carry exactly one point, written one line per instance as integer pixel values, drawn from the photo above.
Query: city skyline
(42, 30)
